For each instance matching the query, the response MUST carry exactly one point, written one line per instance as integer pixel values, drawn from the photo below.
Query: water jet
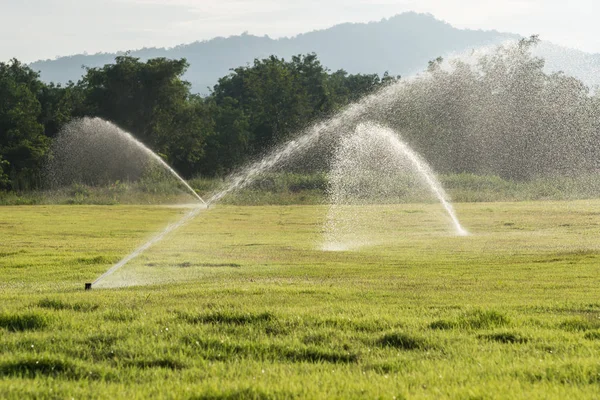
(372, 167)
(461, 117)
(95, 151)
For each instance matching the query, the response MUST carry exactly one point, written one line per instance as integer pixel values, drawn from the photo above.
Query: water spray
(94, 150)
(365, 169)
(329, 129)
(88, 149)
(185, 219)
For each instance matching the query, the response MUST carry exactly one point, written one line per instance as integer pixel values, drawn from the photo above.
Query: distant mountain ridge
(401, 45)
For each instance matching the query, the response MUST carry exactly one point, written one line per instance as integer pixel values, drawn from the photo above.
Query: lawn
(243, 303)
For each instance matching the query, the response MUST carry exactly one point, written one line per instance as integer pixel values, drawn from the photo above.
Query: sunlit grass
(242, 303)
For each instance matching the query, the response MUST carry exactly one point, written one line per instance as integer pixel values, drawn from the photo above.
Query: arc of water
(247, 175)
(420, 165)
(170, 228)
(250, 173)
(351, 114)
(162, 162)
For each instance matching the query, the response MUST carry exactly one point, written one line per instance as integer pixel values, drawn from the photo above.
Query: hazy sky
(40, 29)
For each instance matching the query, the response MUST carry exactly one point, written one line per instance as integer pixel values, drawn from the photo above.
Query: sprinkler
(88, 286)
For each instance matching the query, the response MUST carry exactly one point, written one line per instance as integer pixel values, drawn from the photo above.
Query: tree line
(502, 114)
(247, 112)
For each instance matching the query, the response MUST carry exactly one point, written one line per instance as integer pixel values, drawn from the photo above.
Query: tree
(229, 146)
(4, 179)
(183, 133)
(59, 105)
(278, 97)
(22, 142)
(272, 97)
(151, 101)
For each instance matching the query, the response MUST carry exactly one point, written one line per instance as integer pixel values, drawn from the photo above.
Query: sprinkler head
(88, 286)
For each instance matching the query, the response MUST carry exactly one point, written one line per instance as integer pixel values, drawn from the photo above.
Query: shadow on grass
(33, 368)
(120, 315)
(568, 374)
(188, 264)
(505, 337)
(57, 305)
(94, 260)
(55, 368)
(166, 363)
(23, 322)
(594, 335)
(478, 319)
(243, 394)
(212, 349)
(316, 355)
(403, 341)
(580, 324)
(227, 317)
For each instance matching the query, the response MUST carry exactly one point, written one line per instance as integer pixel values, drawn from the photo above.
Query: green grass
(242, 303)
(22, 322)
(285, 188)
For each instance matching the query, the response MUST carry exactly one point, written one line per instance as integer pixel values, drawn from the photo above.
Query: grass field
(284, 188)
(242, 303)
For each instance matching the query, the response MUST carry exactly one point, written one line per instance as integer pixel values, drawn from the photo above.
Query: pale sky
(39, 29)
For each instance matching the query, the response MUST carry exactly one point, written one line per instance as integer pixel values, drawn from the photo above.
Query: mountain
(401, 45)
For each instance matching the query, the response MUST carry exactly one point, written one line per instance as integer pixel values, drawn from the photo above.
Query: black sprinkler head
(88, 286)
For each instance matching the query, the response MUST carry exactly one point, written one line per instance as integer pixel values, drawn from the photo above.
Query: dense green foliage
(23, 144)
(249, 110)
(502, 115)
(236, 312)
(263, 104)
